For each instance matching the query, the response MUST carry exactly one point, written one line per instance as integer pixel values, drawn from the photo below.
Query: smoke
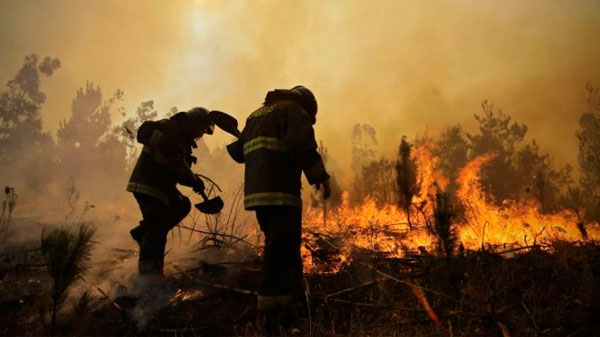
(402, 67)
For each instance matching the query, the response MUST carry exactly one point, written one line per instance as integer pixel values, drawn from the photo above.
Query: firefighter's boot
(138, 232)
(152, 252)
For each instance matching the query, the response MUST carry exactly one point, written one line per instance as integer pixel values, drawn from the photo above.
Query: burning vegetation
(473, 234)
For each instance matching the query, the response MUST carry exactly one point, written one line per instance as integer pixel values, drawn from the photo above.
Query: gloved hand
(198, 185)
(326, 188)
(192, 160)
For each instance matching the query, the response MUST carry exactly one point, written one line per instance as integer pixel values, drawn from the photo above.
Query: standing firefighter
(277, 145)
(164, 162)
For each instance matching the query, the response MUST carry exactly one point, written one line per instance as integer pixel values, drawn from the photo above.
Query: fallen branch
(517, 249)
(530, 317)
(242, 239)
(373, 305)
(117, 306)
(412, 285)
(365, 284)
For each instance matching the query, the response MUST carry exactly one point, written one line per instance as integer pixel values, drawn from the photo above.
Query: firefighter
(164, 162)
(277, 145)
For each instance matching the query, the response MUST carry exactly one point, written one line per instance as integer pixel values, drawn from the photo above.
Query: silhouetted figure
(277, 145)
(164, 162)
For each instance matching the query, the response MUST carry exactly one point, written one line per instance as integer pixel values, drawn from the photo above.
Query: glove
(326, 188)
(192, 160)
(198, 185)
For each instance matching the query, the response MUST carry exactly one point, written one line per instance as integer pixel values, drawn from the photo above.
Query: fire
(385, 229)
(515, 223)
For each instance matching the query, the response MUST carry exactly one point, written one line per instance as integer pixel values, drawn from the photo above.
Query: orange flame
(384, 229)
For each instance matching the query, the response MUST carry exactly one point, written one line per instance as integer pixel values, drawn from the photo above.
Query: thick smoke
(400, 67)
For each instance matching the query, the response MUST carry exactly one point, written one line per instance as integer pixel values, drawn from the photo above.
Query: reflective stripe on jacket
(277, 145)
(164, 161)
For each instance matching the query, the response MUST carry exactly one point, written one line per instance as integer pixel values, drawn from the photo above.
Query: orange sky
(402, 66)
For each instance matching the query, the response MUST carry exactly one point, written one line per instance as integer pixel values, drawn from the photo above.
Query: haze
(403, 67)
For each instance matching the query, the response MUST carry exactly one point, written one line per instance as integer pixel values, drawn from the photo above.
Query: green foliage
(25, 149)
(66, 254)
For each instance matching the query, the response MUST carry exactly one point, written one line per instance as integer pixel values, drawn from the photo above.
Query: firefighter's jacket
(165, 160)
(277, 145)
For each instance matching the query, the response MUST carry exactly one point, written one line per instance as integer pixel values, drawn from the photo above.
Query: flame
(384, 229)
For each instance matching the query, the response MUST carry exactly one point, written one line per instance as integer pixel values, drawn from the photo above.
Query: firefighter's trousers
(158, 220)
(282, 281)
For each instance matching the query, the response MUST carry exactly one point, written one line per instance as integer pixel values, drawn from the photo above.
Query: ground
(550, 290)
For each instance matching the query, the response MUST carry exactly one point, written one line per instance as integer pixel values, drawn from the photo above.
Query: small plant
(443, 228)
(72, 196)
(66, 254)
(574, 201)
(9, 204)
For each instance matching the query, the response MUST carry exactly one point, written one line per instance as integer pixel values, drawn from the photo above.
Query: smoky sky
(405, 67)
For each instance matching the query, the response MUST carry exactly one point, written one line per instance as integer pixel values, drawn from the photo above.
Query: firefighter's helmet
(198, 118)
(306, 99)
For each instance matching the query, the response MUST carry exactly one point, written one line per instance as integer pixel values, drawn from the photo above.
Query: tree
(499, 135)
(452, 150)
(379, 182)
(25, 149)
(406, 178)
(443, 227)
(517, 170)
(86, 138)
(588, 137)
(542, 181)
(90, 119)
(127, 131)
(364, 143)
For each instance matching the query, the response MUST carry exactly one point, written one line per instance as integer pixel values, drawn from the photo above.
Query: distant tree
(517, 170)
(499, 135)
(541, 179)
(452, 150)
(127, 131)
(379, 182)
(575, 201)
(364, 146)
(588, 137)
(90, 119)
(364, 151)
(87, 148)
(25, 149)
